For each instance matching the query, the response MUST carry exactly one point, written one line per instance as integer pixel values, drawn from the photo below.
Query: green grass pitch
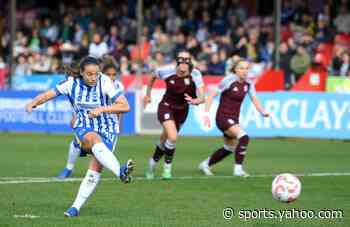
(188, 200)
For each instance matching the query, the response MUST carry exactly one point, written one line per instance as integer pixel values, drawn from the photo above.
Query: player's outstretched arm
(199, 100)
(208, 103)
(40, 99)
(147, 99)
(258, 106)
(209, 100)
(120, 105)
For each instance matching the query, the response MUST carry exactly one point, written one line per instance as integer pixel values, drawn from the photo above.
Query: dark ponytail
(88, 60)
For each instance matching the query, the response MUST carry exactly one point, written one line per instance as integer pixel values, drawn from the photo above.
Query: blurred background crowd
(215, 32)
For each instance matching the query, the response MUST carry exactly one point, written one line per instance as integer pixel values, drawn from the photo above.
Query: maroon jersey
(177, 86)
(232, 96)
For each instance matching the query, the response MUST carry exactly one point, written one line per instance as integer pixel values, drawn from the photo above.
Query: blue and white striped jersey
(85, 98)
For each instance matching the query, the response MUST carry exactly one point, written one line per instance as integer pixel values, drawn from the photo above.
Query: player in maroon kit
(184, 86)
(233, 89)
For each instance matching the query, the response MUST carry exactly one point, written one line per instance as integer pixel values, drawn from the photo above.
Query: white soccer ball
(286, 188)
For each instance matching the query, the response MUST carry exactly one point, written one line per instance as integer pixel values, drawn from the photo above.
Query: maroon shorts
(165, 112)
(224, 122)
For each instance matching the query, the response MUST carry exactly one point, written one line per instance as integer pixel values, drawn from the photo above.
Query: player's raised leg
(106, 157)
(73, 153)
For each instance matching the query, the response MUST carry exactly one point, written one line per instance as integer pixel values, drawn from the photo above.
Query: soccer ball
(286, 187)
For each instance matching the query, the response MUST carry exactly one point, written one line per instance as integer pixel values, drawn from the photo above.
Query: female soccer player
(95, 126)
(184, 86)
(109, 68)
(233, 89)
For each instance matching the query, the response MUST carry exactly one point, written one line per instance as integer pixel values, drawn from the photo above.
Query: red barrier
(324, 54)
(3, 74)
(312, 80)
(343, 40)
(270, 80)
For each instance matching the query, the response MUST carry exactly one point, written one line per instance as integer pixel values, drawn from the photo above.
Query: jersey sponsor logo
(187, 81)
(245, 88)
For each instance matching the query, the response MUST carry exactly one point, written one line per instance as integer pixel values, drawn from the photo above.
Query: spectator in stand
(34, 43)
(345, 66)
(113, 40)
(266, 53)
(157, 61)
(98, 48)
(164, 46)
(42, 63)
(216, 67)
(125, 67)
(83, 48)
(22, 67)
(324, 33)
(49, 30)
(180, 42)
(286, 54)
(21, 44)
(193, 46)
(78, 34)
(240, 41)
(342, 21)
(66, 29)
(308, 42)
(337, 61)
(342, 65)
(300, 62)
(252, 46)
(68, 51)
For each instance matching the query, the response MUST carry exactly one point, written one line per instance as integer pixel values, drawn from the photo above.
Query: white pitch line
(24, 180)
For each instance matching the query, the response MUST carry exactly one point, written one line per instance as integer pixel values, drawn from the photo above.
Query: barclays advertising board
(293, 114)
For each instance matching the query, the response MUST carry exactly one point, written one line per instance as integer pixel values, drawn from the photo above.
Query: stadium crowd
(215, 33)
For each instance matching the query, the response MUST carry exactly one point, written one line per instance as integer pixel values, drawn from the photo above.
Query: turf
(192, 201)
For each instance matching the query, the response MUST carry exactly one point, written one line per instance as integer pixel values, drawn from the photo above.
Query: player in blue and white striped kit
(96, 101)
(109, 68)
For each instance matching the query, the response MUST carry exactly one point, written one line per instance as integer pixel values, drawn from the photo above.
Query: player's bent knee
(229, 147)
(95, 165)
(244, 139)
(172, 138)
(169, 144)
(90, 139)
(86, 146)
